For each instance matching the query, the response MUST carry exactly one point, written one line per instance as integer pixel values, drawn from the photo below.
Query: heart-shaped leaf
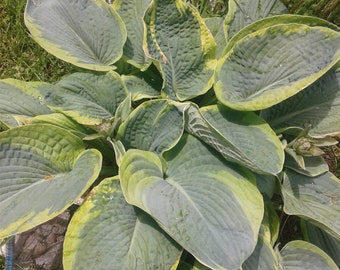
(244, 12)
(87, 33)
(303, 255)
(38, 163)
(257, 73)
(210, 207)
(132, 12)
(314, 199)
(87, 98)
(317, 107)
(116, 234)
(184, 47)
(155, 125)
(237, 135)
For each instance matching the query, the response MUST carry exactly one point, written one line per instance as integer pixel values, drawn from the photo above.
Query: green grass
(326, 9)
(20, 57)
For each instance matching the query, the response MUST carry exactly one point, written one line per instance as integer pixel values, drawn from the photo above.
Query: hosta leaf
(155, 126)
(17, 106)
(314, 199)
(275, 20)
(188, 266)
(303, 255)
(244, 12)
(257, 73)
(87, 33)
(237, 136)
(38, 163)
(314, 166)
(62, 121)
(198, 266)
(132, 12)
(207, 205)
(184, 47)
(270, 227)
(33, 89)
(215, 25)
(263, 257)
(116, 234)
(317, 106)
(266, 184)
(323, 240)
(87, 98)
(139, 88)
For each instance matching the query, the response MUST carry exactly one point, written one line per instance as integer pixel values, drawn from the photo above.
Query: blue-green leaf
(108, 233)
(244, 12)
(87, 33)
(209, 206)
(315, 199)
(237, 135)
(257, 73)
(317, 107)
(155, 125)
(38, 164)
(88, 98)
(303, 255)
(184, 47)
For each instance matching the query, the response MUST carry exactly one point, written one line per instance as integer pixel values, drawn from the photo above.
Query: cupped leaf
(178, 38)
(317, 107)
(258, 73)
(116, 234)
(16, 105)
(132, 12)
(314, 199)
(244, 12)
(38, 163)
(155, 125)
(209, 206)
(323, 240)
(87, 98)
(87, 33)
(275, 20)
(237, 136)
(303, 255)
(139, 88)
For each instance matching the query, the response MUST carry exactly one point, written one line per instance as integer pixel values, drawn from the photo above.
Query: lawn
(21, 57)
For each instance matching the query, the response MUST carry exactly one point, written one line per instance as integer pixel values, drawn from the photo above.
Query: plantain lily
(186, 135)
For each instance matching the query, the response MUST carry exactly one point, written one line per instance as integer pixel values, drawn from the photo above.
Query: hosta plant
(191, 139)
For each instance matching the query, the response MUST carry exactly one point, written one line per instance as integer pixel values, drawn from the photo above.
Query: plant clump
(192, 139)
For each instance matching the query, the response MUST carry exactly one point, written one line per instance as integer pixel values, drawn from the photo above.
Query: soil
(41, 247)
